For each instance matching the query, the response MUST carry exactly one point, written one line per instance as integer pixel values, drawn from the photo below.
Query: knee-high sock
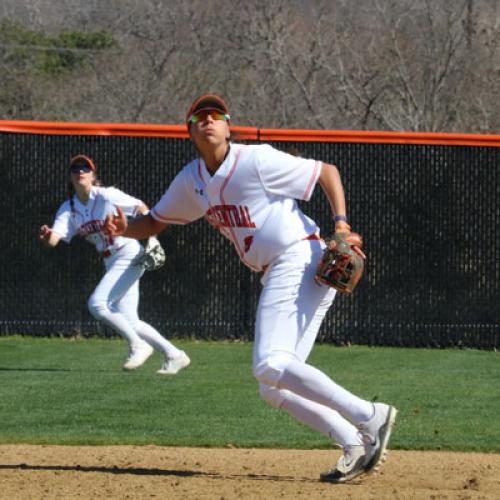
(321, 418)
(118, 322)
(313, 384)
(153, 337)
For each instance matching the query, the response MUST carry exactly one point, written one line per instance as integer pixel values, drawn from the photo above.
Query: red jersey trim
(313, 180)
(234, 239)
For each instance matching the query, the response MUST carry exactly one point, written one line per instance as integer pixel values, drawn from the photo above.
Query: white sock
(120, 324)
(311, 383)
(321, 418)
(158, 341)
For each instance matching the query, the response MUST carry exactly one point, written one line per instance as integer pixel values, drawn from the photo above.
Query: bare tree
(328, 64)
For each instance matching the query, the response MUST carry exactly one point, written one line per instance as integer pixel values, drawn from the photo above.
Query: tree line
(406, 65)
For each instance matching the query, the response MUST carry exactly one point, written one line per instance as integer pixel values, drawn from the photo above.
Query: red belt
(312, 236)
(109, 253)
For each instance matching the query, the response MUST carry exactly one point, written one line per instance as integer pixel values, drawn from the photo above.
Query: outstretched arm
(139, 228)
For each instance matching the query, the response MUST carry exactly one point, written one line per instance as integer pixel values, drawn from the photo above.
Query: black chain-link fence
(428, 214)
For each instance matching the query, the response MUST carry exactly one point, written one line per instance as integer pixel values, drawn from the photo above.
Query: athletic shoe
(175, 365)
(350, 465)
(376, 433)
(138, 356)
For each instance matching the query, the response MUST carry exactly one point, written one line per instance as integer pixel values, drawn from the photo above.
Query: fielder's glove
(341, 267)
(153, 256)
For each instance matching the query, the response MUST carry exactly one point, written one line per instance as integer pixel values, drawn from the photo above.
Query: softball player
(249, 194)
(116, 298)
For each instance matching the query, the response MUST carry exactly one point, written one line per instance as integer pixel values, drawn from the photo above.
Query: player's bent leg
(175, 359)
(283, 370)
(291, 382)
(375, 427)
(269, 370)
(290, 311)
(320, 418)
(139, 351)
(328, 422)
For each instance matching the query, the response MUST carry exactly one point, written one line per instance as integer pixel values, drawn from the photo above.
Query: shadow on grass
(154, 472)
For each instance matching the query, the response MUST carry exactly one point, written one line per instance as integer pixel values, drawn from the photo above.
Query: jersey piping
(312, 181)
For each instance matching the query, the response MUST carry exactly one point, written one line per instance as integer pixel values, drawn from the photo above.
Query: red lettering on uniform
(226, 215)
(235, 217)
(248, 243)
(229, 216)
(250, 223)
(91, 227)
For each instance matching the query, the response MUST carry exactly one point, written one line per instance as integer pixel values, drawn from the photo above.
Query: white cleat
(351, 464)
(138, 356)
(175, 365)
(376, 433)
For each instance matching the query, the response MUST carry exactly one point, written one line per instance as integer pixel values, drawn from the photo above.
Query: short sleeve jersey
(251, 199)
(87, 219)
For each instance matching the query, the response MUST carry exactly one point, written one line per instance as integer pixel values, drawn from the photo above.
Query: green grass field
(60, 391)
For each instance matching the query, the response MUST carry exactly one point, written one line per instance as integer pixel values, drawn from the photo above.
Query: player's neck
(215, 158)
(83, 193)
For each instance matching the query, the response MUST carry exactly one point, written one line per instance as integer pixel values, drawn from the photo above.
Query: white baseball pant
(115, 301)
(291, 308)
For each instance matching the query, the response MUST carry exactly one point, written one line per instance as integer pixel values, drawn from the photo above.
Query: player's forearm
(50, 242)
(143, 227)
(53, 240)
(48, 237)
(331, 184)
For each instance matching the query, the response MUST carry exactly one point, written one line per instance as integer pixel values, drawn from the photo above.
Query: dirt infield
(131, 472)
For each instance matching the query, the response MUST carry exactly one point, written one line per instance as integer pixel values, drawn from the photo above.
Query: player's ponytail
(71, 193)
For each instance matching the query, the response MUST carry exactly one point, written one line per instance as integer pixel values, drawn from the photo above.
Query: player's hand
(115, 225)
(354, 240)
(45, 233)
(359, 251)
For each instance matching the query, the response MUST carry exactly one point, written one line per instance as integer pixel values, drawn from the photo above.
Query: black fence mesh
(428, 213)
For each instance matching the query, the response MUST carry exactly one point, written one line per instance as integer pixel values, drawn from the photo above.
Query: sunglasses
(201, 116)
(77, 168)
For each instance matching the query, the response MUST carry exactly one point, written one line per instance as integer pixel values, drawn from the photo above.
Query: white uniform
(251, 199)
(87, 219)
(116, 298)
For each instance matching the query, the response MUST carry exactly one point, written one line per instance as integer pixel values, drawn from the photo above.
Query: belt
(312, 236)
(109, 252)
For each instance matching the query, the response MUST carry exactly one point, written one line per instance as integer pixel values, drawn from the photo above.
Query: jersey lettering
(248, 243)
(90, 227)
(230, 216)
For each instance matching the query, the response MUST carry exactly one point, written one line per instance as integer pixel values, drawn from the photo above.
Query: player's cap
(207, 101)
(82, 160)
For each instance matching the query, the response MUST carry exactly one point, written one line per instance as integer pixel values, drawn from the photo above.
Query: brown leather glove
(342, 264)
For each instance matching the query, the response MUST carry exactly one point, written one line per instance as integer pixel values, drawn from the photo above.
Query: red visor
(82, 160)
(207, 101)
